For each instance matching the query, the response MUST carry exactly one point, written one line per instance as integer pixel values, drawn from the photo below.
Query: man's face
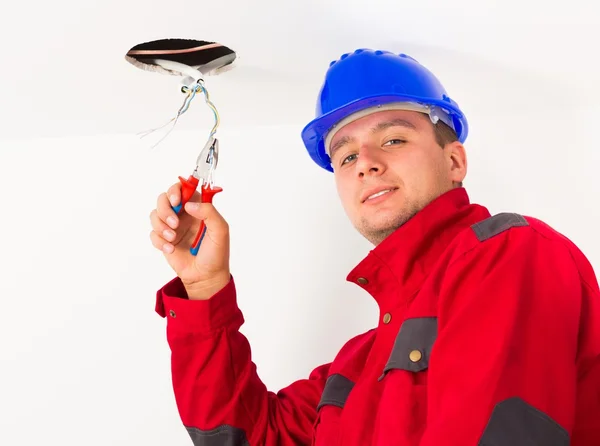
(393, 151)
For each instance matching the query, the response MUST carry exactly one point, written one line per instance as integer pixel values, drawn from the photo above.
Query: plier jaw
(206, 163)
(202, 176)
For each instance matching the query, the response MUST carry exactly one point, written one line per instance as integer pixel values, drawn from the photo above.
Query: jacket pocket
(516, 423)
(326, 430)
(413, 345)
(403, 407)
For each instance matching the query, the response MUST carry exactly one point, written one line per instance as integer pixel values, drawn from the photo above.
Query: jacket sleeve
(220, 398)
(502, 370)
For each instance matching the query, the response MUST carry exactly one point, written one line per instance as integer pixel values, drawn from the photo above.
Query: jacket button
(415, 356)
(172, 313)
(387, 317)
(362, 280)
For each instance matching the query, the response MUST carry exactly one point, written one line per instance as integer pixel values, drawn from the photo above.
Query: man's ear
(457, 161)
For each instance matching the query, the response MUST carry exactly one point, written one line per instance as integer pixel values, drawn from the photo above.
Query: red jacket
(488, 335)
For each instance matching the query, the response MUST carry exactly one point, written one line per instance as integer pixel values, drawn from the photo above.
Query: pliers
(206, 164)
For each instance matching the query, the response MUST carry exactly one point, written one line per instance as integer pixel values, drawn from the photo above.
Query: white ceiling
(64, 73)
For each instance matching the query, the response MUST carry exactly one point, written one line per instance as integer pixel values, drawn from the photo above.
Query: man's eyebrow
(341, 142)
(393, 123)
(379, 127)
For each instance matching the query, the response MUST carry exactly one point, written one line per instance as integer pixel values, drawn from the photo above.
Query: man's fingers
(160, 227)
(174, 194)
(165, 211)
(160, 243)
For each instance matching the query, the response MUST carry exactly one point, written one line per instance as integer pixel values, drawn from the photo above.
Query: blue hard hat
(369, 78)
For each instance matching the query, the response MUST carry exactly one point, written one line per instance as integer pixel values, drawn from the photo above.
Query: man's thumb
(197, 210)
(206, 212)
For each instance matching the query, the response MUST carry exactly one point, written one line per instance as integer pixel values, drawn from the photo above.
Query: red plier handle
(188, 187)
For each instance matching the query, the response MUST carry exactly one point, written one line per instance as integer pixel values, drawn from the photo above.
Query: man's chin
(377, 233)
(378, 229)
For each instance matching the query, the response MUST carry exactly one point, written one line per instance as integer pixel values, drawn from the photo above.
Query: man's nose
(369, 162)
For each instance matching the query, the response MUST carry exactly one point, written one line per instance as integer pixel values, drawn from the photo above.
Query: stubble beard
(376, 233)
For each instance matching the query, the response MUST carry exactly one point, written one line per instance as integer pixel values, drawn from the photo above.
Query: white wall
(84, 356)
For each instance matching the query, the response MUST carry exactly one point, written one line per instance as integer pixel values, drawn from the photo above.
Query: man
(489, 328)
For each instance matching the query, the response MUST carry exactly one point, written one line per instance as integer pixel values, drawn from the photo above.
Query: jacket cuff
(197, 316)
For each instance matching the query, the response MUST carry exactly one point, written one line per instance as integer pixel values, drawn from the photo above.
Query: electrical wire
(190, 95)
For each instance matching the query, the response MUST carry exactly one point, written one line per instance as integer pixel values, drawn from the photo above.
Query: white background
(83, 356)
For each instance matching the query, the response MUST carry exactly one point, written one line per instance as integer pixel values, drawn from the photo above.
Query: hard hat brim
(315, 132)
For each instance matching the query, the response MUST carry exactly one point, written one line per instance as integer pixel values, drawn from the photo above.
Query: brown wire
(188, 50)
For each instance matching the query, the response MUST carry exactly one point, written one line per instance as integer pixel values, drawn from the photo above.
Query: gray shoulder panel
(496, 224)
(221, 436)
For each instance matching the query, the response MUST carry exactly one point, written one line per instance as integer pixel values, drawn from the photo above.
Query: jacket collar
(395, 269)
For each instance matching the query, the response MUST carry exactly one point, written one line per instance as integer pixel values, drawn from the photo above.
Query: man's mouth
(378, 194)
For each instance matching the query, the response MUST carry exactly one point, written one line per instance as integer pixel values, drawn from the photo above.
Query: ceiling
(64, 71)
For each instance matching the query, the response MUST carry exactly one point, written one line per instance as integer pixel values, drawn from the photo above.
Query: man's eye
(395, 141)
(347, 159)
